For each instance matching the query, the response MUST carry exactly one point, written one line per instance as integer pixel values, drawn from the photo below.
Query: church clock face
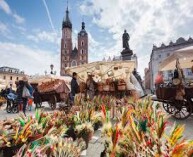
(82, 33)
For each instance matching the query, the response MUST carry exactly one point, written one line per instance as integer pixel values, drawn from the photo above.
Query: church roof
(67, 23)
(74, 52)
(83, 31)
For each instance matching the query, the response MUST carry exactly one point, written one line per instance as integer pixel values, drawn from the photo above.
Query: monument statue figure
(126, 38)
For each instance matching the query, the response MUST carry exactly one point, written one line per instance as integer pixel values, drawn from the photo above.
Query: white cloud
(5, 7)
(3, 28)
(147, 21)
(18, 19)
(45, 36)
(25, 58)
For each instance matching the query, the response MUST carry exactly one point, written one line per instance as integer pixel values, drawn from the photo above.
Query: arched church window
(73, 63)
(82, 43)
(82, 52)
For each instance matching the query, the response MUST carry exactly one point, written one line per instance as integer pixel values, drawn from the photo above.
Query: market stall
(110, 77)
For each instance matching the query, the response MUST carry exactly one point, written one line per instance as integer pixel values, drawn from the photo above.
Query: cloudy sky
(30, 31)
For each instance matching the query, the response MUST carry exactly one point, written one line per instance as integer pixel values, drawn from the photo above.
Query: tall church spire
(67, 23)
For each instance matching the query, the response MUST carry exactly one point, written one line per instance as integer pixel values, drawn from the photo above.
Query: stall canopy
(185, 57)
(45, 78)
(103, 70)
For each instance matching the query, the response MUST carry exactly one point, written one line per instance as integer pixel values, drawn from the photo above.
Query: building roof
(67, 23)
(179, 41)
(5, 67)
(83, 31)
(74, 53)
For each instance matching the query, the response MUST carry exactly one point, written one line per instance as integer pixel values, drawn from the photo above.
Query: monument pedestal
(126, 54)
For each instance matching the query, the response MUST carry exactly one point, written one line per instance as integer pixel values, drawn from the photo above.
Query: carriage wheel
(9, 107)
(53, 102)
(168, 108)
(183, 109)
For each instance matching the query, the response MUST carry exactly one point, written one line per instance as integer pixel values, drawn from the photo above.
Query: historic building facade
(161, 53)
(73, 56)
(10, 75)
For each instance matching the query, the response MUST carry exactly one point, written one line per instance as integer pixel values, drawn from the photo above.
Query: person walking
(23, 93)
(74, 87)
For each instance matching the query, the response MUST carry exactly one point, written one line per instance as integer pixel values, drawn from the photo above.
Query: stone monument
(126, 52)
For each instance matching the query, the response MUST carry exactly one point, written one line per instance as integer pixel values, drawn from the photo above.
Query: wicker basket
(100, 87)
(112, 88)
(121, 87)
(106, 88)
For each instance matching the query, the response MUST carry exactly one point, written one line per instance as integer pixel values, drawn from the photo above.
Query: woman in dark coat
(20, 99)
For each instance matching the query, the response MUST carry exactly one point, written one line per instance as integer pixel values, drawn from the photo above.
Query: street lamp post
(51, 67)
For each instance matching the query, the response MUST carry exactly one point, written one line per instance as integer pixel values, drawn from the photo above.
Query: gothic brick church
(73, 56)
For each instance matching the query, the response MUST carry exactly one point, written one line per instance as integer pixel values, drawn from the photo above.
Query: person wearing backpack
(23, 93)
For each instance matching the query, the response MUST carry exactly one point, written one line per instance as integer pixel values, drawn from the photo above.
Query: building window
(4, 77)
(82, 43)
(65, 65)
(65, 52)
(82, 52)
(65, 58)
(73, 63)
(17, 78)
(11, 78)
(64, 45)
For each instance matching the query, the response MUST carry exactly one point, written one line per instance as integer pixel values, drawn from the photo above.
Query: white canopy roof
(185, 56)
(103, 70)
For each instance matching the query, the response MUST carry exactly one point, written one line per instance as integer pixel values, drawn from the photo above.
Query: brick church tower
(73, 56)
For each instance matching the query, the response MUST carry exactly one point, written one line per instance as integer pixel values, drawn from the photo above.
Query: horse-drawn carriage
(52, 91)
(177, 97)
(180, 109)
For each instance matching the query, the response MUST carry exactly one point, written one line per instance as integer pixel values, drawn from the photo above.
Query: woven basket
(112, 88)
(106, 88)
(122, 87)
(100, 87)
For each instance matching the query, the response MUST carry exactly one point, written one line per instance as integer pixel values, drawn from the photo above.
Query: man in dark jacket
(74, 87)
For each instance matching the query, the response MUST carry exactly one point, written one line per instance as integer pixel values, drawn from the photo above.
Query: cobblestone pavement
(96, 144)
